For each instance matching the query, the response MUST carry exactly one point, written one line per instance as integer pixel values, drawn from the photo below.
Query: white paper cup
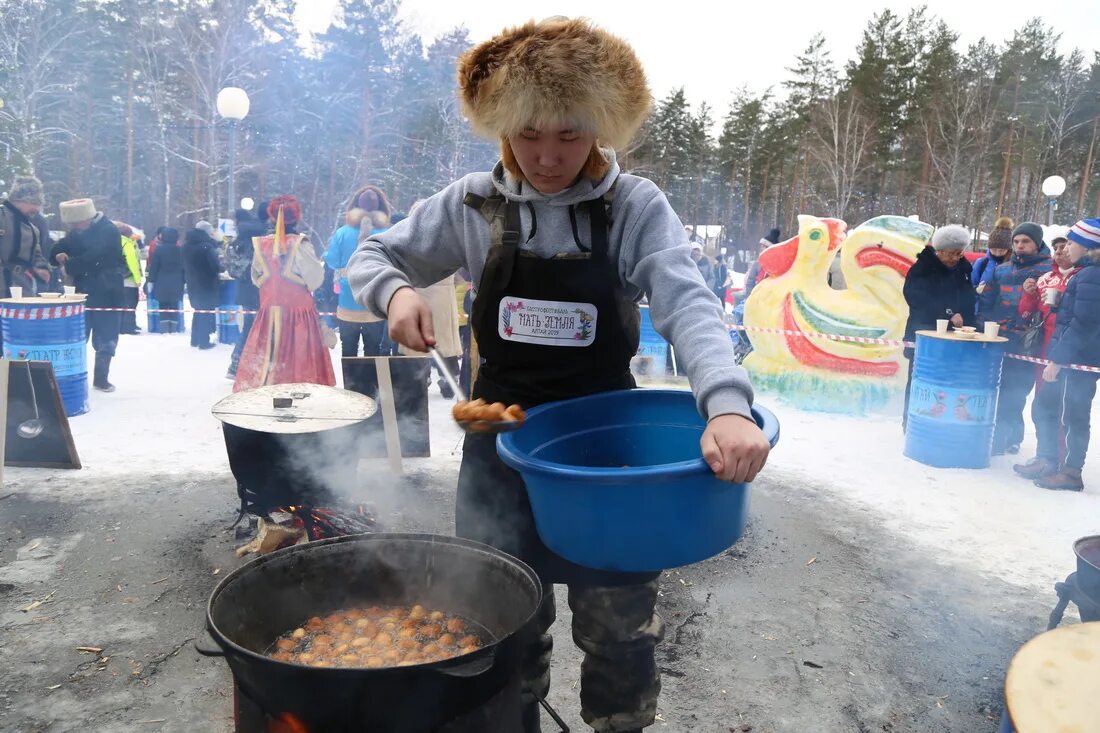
(1051, 296)
(941, 326)
(16, 292)
(992, 329)
(70, 290)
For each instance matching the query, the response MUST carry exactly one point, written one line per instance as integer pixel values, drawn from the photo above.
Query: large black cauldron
(255, 604)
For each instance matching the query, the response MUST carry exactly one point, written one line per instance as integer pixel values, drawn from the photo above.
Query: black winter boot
(102, 368)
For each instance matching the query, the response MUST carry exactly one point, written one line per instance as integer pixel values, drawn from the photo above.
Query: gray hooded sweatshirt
(646, 239)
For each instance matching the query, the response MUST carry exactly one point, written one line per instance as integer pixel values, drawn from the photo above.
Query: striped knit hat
(1086, 233)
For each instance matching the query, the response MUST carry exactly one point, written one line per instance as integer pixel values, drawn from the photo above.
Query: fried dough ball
(408, 662)
(470, 640)
(417, 612)
(515, 413)
(334, 618)
(323, 640)
(359, 643)
(437, 616)
(350, 659)
(410, 623)
(322, 663)
(406, 632)
(306, 658)
(356, 613)
(341, 648)
(447, 640)
(391, 656)
(407, 645)
(382, 638)
(315, 624)
(494, 412)
(375, 612)
(366, 627)
(282, 656)
(456, 625)
(469, 649)
(430, 631)
(298, 634)
(285, 645)
(375, 663)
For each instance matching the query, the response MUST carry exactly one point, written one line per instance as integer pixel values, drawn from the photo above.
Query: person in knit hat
(558, 229)
(22, 239)
(756, 273)
(91, 254)
(997, 249)
(999, 301)
(1065, 404)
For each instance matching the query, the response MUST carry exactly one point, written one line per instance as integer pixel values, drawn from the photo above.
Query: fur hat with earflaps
(77, 210)
(558, 71)
(27, 189)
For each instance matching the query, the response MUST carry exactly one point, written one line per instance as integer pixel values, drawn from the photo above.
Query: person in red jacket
(1043, 297)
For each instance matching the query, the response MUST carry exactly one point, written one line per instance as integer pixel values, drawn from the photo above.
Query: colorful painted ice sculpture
(834, 376)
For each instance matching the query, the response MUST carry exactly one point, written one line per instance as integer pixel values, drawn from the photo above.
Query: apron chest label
(547, 322)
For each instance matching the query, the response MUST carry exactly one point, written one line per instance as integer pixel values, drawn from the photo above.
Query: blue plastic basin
(617, 480)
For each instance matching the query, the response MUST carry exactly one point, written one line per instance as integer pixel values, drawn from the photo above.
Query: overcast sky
(712, 47)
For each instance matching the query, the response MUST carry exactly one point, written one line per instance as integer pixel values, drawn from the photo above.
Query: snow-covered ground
(159, 422)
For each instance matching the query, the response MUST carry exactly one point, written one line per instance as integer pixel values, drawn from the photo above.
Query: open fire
(294, 525)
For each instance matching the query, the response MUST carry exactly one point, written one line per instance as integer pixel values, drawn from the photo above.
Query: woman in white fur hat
(556, 220)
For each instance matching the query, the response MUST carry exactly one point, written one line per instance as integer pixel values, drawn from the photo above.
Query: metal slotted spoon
(471, 426)
(31, 428)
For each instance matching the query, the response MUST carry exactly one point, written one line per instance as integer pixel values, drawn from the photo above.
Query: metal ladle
(34, 427)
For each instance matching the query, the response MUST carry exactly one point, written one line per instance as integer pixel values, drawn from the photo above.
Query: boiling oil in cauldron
(379, 636)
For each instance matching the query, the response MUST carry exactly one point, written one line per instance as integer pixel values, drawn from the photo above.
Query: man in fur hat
(91, 254)
(21, 238)
(557, 221)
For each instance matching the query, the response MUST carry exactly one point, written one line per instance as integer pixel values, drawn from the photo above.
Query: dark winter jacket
(1000, 301)
(240, 262)
(21, 251)
(984, 267)
(96, 263)
(1077, 331)
(935, 292)
(165, 272)
(201, 268)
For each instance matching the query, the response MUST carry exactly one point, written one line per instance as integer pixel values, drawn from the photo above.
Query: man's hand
(1050, 374)
(42, 274)
(957, 320)
(410, 320)
(734, 448)
(1031, 286)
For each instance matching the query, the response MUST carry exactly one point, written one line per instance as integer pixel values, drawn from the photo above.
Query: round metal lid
(294, 408)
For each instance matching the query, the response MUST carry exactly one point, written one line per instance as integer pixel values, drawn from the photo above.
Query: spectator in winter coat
(1065, 403)
(239, 266)
(938, 288)
(91, 254)
(22, 242)
(355, 322)
(132, 283)
(706, 267)
(1000, 302)
(755, 274)
(997, 251)
(201, 270)
(165, 275)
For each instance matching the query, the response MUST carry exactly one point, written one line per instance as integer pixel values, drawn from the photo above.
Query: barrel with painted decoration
(953, 399)
(50, 329)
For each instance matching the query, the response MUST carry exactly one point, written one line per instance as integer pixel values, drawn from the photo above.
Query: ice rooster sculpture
(795, 297)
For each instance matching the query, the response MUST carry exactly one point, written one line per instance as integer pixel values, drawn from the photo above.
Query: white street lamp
(247, 203)
(1053, 187)
(232, 104)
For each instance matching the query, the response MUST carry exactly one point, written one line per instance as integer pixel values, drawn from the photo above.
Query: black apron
(492, 504)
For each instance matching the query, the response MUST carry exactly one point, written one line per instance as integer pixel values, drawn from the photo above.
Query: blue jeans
(1017, 380)
(1065, 404)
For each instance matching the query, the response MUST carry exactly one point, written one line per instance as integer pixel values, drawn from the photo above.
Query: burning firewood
(270, 537)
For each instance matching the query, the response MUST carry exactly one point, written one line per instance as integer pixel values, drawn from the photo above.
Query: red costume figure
(285, 344)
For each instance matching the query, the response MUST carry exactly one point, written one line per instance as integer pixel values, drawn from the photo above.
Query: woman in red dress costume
(285, 344)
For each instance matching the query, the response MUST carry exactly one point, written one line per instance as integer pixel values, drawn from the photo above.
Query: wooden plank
(389, 415)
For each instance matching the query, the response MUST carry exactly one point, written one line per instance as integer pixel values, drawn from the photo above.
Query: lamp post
(1053, 187)
(233, 105)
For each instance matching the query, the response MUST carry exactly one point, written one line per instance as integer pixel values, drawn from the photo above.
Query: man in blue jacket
(1076, 341)
(999, 302)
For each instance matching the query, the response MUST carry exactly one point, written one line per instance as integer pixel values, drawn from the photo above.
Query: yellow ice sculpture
(795, 297)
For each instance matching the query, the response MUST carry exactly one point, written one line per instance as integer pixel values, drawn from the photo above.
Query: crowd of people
(1047, 305)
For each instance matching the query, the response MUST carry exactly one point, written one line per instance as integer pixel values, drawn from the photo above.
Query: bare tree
(843, 135)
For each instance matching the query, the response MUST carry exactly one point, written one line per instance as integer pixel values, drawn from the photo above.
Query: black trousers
(102, 328)
(1065, 405)
(203, 326)
(371, 335)
(1017, 380)
(129, 317)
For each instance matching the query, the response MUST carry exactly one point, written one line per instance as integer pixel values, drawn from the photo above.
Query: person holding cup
(1065, 402)
(938, 288)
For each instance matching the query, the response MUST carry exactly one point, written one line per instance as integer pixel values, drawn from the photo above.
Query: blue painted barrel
(165, 322)
(953, 401)
(228, 327)
(41, 329)
(651, 343)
